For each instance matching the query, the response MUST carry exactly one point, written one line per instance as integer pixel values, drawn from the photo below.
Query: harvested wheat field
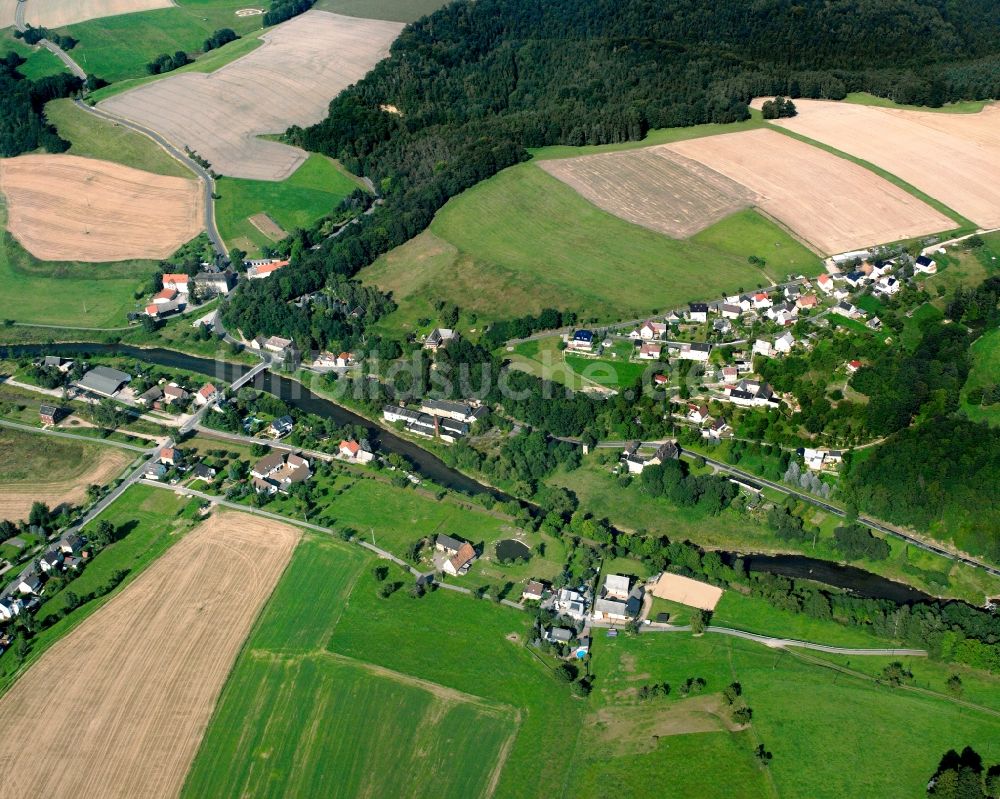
(16, 498)
(126, 696)
(694, 593)
(289, 80)
(56, 13)
(67, 208)
(656, 188)
(954, 158)
(831, 203)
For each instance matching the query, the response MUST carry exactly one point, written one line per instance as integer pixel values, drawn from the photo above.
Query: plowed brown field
(118, 707)
(289, 80)
(653, 187)
(954, 158)
(67, 208)
(832, 203)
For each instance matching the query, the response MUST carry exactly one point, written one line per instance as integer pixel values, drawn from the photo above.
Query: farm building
(104, 381)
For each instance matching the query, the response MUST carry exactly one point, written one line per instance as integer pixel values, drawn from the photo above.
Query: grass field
(393, 10)
(317, 722)
(543, 358)
(311, 192)
(67, 293)
(961, 107)
(94, 137)
(522, 241)
(153, 520)
(874, 740)
(749, 233)
(985, 371)
(115, 48)
(38, 63)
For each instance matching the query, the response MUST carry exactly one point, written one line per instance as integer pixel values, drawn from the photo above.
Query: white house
(762, 347)
(730, 311)
(784, 343)
(616, 586)
(697, 413)
(925, 266)
(177, 282)
(206, 394)
(650, 352)
(887, 286)
(652, 330)
(572, 604)
(825, 283)
(698, 311)
(695, 352)
(761, 300)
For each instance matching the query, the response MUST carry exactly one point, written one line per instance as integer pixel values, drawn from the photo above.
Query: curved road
(57, 51)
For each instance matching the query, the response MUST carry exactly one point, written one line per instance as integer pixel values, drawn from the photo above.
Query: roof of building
(614, 606)
(465, 555)
(266, 269)
(618, 583)
(448, 542)
(534, 587)
(175, 277)
(283, 421)
(698, 307)
(203, 471)
(583, 335)
(350, 446)
(923, 260)
(269, 463)
(207, 390)
(561, 634)
(48, 410)
(104, 380)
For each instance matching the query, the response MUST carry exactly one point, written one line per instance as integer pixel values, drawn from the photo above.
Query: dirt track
(16, 498)
(67, 208)
(289, 80)
(830, 202)
(653, 187)
(119, 706)
(954, 158)
(56, 13)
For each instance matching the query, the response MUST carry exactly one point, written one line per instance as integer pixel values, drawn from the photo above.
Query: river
(858, 581)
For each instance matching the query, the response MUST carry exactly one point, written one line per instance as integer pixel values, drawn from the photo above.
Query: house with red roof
(176, 281)
(206, 394)
(265, 270)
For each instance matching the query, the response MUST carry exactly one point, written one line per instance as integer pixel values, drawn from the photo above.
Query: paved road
(57, 51)
(120, 489)
(208, 183)
(784, 643)
(62, 434)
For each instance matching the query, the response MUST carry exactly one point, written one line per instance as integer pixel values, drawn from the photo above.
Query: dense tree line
(283, 10)
(220, 37)
(23, 127)
(167, 63)
(33, 35)
(505, 329)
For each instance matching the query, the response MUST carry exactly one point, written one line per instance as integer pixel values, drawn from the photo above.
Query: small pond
(512, 549)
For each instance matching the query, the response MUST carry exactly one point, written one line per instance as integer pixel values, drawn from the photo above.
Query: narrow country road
(57, 51)
(75, 437)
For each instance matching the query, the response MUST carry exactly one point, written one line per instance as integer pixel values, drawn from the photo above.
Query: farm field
(522, 241)
(954, 158)
(287, 81)
(394, 10)
(64, 206)
(58, 13)
(312, 191)
(150, 655)
(118, 48)
(93, 137)
(875, 740)
(654, 188)
(829, 202)
(56, 471)
(318, 721)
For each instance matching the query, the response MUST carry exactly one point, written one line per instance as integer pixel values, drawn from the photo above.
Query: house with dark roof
(438, 338)
(277, 472)
(202, 472)
(698, 311)
(49, 414)
(559, 635)
(103, 381)
(925, 266)
(281, 426)
(581, 340)
(447, 544)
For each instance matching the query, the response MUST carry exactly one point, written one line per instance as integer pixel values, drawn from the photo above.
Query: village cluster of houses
(24, 591)
(446, 420)
(179, 288)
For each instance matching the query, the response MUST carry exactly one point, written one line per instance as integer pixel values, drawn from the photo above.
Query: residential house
(925, 266)
(694, 351)
(807, 301)
(649, 351)
(215, 282)
(784, 343)
(660, 380)
(730, 311)
(874, 323)
(447, 544)
(697, 413)
(853, 366)
(278, 471)
(206, 395)
(51, 560)
(761, 301)
(698, 311)
(730, 373)
(104, 381)
(170, 456)
(856, 279)
(439, 337)
(652, 330)
(150, 397)
(261, 271)
(281, 426)
(28, 582)
(71, 543)
(10, 607)
(722, 326)
(825, 283)
(792, 292)
(202, 472)
(762, 347)
(154, 471)
(571, 604)
(752, 393)
(559, 635)
(356, 451)
(56, 362)
(845, 309)
(174, 393)
(460, 562)
(582, 340)
(49, 414)
(616, 586)
(426, 425)
(178, 282)
(887, 286)
(534, 591)
(716, 430)
(165, 297)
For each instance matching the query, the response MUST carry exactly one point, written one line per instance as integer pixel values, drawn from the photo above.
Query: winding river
(858, 581)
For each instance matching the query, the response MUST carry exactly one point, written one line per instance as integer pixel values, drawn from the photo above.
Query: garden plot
(289, 80)
(656, 188)
(954, 158)
(67, 208)
(832, 203)
(118, 707)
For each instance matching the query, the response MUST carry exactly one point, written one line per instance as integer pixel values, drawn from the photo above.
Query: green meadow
(985, 372)
(119, 47)
(522, 241)
(91, 136)
(312, 191)
(61, 293)
(296, 719)
(39, 62)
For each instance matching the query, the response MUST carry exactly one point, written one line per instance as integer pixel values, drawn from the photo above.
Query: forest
(22, 125)
(477, 83)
